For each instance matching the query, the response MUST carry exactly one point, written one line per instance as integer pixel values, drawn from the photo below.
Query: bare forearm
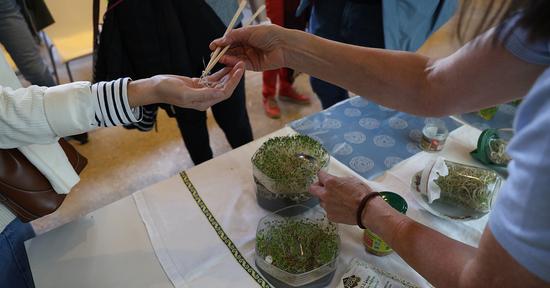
(142, 92)
(373, 73)
(470, 79)
(443, 261)
(439, 259)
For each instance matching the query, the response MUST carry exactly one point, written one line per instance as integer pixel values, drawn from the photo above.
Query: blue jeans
(15, 271)
(20, 44)
(356, 22)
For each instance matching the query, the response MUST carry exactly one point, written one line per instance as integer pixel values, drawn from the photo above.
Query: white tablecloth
(193, 255)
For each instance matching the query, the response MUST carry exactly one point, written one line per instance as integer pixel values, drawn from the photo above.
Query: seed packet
(361, 274)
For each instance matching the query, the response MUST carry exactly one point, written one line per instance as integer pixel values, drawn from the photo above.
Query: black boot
(81, 138)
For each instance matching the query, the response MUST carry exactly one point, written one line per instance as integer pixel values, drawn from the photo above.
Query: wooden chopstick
(214, 61)
(227, 30)
(253, 17)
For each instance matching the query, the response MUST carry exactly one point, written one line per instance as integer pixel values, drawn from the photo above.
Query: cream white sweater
(40, 115)
(30, 116)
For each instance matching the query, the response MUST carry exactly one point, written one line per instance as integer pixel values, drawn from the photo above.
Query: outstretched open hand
(184, 91)
(192, 93)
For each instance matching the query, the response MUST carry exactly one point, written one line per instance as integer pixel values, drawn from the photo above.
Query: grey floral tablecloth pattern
(367, 137)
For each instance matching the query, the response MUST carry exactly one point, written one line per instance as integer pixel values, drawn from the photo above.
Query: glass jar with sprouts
(455, 190)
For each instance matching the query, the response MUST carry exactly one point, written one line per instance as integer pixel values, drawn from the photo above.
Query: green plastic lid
(481, 153)
(395, 201)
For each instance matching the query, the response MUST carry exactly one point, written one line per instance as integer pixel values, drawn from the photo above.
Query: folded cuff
(69, 108)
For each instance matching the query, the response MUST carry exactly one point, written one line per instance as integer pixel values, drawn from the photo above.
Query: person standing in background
(356, 22)
(396, 25)
(172, 37)
(19, 26)
(16, 37)
(282, 13)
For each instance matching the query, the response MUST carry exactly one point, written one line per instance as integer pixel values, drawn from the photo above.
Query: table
(112, 248)
(106, 248)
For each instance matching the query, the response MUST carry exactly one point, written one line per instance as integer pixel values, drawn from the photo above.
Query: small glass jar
(455, 190)
(373, 243)
(434, 136)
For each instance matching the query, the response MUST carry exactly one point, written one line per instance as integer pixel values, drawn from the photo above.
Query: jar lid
(395, 200)
(482, 151)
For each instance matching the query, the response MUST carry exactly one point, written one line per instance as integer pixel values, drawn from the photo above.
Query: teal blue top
(408, 23)
(520, 220)
(225, 9)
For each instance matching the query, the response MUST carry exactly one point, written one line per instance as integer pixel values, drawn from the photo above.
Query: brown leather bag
(24, 190)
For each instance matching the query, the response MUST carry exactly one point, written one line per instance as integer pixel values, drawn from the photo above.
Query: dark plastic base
(275, 204)
(323, 282)
(280, 203)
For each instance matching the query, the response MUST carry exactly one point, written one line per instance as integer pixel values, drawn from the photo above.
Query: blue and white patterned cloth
(365, 136)
(504, 118)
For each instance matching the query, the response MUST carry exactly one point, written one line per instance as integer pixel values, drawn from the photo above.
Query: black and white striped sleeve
(111, 104)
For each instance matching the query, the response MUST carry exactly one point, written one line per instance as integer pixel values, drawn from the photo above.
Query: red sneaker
(271, 108)
(290, 95)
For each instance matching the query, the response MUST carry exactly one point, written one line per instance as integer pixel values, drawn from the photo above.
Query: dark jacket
(143, 38)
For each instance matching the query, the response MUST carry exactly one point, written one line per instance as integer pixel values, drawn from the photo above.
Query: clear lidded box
(455, 190)
(299, 250)
(284, 168)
